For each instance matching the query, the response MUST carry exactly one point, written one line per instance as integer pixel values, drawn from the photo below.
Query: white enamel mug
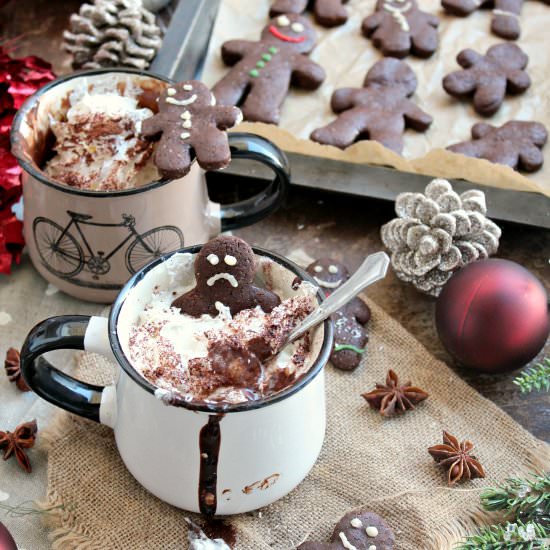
(199, 457)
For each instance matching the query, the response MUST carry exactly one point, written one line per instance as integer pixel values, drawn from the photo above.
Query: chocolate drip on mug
(209, 445)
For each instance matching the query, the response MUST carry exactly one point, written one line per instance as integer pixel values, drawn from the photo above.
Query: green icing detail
(342, 347)
(254, 73)
(272, 49)
(266, 57)
(260, 64)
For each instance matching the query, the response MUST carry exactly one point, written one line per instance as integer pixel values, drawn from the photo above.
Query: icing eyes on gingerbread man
(263, 71)
(189, 124)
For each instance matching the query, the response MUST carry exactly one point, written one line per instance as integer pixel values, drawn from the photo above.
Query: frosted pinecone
(437, 233)
(112, 33)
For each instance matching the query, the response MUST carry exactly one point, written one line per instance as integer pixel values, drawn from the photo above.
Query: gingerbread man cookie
(329, 13)
(399, 27)
(188, 120)
(263, 71)
(517, 144)
(505, 20)
(489, 77)
(381, 110)
(360, 530)
(224, 271)
(350, 335)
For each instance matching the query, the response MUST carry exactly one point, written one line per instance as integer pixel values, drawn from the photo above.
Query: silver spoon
(371, 270)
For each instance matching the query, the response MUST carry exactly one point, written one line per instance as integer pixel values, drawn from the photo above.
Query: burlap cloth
(366, 461)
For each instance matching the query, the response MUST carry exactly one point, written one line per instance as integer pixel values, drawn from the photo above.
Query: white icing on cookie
(371, 531)
(185, 135)
(345, 542)
(230, 260)
(357, 523)
(317, 269)
(397, 14)
(227, 276)
(332, 269)
(182, 102)
(283, 21)
(213, 259)
(297, 27)
(328, 284)
(505, 13)
(171, 91)
(187, 87)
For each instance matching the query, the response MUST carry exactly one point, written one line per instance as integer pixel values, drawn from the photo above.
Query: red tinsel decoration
(19, 79)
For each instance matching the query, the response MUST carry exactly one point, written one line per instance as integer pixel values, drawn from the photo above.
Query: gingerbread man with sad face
(263, 71)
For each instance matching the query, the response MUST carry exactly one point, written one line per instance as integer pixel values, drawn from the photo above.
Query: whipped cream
(98, 145)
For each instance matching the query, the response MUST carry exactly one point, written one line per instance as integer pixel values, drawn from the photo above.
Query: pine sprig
(521, 498)
(512, 536)
(535, 378)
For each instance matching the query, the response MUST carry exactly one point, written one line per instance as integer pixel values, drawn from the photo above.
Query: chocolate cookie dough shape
(350, 335)
(399, 27)
(263, 71)
(505, 20)
(361, 530)
(488, 78)
(224, 271)
(381, 110)
(189, 122)
(516, 143)
(328, 13)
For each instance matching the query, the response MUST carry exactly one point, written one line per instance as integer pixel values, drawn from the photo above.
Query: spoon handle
(371, 270)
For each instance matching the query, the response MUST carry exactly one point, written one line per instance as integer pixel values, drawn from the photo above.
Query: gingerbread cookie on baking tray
(263, 71)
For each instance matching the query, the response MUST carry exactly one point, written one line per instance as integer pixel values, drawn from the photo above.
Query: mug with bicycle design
(89, 243)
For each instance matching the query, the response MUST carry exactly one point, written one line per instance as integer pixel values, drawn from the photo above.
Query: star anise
(13, 369)
(15, 443)
(393, 397)
(457, 459)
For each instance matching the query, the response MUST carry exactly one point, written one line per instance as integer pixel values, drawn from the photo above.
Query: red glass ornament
(492, 316)
(6, 540)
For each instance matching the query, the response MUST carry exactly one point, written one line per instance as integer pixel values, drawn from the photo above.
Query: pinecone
(438, 233)
(112, 33)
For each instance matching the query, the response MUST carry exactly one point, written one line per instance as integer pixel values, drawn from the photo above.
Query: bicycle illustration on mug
(63, 255)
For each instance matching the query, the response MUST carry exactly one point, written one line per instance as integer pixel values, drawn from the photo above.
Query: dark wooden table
(324, 224)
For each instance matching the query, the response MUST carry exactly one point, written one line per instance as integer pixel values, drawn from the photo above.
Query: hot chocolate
(220, 358)
(98, 144)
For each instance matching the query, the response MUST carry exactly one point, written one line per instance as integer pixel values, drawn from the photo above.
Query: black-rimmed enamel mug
(89, 243)
(200, 457)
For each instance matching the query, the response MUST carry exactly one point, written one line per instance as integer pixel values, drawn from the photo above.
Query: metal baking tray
(189, 25)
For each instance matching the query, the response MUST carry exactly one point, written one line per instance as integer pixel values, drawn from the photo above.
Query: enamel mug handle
(249, 211)
(69, 332)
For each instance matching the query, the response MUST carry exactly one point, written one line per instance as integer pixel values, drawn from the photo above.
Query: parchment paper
(346, 56)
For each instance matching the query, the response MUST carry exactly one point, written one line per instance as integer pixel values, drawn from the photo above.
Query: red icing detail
(278, 34)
